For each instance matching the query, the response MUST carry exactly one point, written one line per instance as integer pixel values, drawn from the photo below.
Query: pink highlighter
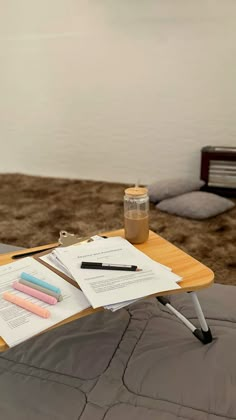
(35, 293)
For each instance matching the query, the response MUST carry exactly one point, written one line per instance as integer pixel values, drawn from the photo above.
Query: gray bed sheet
(140, 363)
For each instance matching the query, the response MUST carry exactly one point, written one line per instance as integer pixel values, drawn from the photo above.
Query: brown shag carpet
(34, 209)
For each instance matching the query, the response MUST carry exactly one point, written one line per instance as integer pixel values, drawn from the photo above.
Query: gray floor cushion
(140, 363)
(168, 188)
(197, 205)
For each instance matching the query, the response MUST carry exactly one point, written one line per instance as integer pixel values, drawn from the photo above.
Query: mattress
(137, 363)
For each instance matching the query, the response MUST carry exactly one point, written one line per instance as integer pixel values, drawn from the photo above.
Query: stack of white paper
(114, 289)
(18, 324)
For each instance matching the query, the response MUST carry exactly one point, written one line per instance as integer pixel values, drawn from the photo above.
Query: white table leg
(204, 333)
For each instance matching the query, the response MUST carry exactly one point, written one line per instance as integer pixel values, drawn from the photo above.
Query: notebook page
(18, 324)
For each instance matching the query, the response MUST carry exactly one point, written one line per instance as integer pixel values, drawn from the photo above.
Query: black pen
(29, 253)
(105, 266)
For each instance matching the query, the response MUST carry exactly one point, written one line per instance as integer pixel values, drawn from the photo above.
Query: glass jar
(136, 214)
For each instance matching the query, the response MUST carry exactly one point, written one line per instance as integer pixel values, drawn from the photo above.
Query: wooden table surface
(195, 275)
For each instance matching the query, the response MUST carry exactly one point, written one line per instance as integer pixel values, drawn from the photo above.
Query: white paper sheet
(52, 259)
(18, 324)
(120, 305)
(105, 287)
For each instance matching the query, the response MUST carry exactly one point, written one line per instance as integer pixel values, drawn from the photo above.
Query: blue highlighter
(39, 282)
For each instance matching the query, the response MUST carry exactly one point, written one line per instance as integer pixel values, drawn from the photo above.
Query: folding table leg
(204, 333)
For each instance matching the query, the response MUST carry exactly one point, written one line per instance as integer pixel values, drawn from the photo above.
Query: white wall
(115, 90)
